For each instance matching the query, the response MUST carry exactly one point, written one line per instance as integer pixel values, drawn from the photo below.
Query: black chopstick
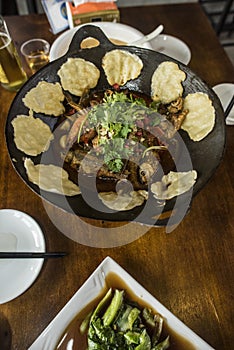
(31, 255)
(229, 107)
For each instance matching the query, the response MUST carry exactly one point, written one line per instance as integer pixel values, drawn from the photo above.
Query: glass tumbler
(36, 53)
(12, 74)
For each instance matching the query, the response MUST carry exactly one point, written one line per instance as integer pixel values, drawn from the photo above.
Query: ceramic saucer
(18, 232)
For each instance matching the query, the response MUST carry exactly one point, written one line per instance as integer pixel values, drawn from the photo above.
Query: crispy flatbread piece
(78, 75)
(31, 135)
(200, 119)
(45, 98)
(121, 66)
(121, 201)
(173, 184)
(166, 82)
(50, 178)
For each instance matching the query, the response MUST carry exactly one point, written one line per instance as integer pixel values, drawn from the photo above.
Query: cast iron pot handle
(85, 32)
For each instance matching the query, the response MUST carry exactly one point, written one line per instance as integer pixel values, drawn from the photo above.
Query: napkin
(56, 13)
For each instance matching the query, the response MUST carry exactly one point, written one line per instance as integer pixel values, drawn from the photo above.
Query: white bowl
(91, 289)
(112, 30)
(225, 91)
(172, 47)
(18, 232)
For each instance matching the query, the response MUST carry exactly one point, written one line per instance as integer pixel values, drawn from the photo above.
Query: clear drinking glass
(36, 52)
(12, 74)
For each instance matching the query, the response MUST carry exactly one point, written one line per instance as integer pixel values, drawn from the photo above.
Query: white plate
(172, 47)
(90, 290)
(112, 30)
(225, 92)
(18, 232)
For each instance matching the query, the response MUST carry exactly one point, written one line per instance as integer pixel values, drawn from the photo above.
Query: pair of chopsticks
(31, 255)
(229, 107)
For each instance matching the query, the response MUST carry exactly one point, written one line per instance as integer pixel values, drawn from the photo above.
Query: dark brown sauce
(72, 334)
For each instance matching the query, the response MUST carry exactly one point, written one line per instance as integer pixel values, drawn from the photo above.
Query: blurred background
(220, 14)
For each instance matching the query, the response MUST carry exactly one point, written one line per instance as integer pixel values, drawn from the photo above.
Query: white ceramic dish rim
(18, 275)
(90, 289)
(172, 43)
(118, 31)
(225, 92)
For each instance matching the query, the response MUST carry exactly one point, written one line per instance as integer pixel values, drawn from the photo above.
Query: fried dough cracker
(45, 98)
(166, 82)
(121, 66)
(31, 135)
(78, 75)
(200, 119)
(121, 201)
(50, 178)
(173, 184)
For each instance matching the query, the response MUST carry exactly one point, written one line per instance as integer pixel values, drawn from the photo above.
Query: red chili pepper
(116, 86)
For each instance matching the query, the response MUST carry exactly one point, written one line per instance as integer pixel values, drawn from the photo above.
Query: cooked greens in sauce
(118, 323)
(126, 311)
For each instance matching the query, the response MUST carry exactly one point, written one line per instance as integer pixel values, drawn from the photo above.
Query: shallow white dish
(91, 289)
(172, 47)
(112, 30)
(225, 91)
(18, 232)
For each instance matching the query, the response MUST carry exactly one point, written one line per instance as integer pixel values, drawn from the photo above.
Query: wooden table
(189, 270)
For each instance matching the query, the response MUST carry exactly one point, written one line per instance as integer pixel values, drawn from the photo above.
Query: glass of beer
(12, 74)
(36, 53)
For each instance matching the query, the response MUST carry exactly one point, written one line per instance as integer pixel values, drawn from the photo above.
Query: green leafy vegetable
(113, 308)
(165, 344)
(117, 323)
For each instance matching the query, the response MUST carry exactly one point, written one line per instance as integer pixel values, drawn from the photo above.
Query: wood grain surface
(189, 270)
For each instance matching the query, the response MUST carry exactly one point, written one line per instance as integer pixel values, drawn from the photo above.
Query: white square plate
(91, 289)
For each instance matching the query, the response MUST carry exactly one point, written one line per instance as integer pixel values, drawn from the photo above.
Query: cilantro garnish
(114, 120)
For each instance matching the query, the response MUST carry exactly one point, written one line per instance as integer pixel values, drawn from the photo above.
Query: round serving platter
(205, 155)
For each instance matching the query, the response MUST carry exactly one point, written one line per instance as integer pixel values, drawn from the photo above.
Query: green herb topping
(117, 323)
(119, 121)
